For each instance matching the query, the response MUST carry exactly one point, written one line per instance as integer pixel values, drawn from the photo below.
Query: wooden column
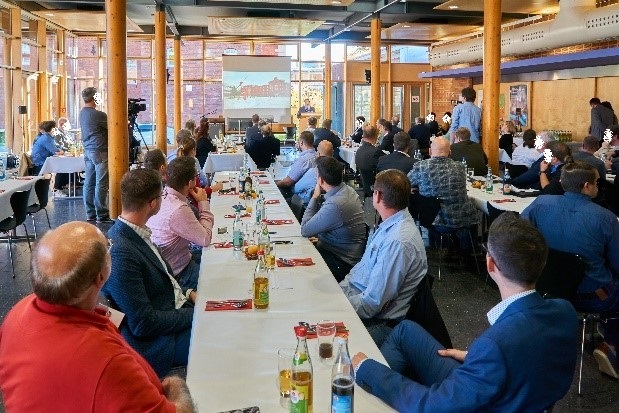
(178, 85)
(375, 68)
(42, 81)
(62, 82)
(117, 127)
(17, 85)
(389, 89)
(160, 79)
(492, 80)
(326, 110)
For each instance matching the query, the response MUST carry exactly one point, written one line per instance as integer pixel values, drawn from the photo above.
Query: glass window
(137, 69)
(3, 46)
(52, 62)
(294, 97)
(139, 48)
(409, 54)
(52, 41)
(71, 65)
(73, 102)
(312, 71)
(361, 98)
(270, 49)
(337, 72)
(27, 31)
(29, 57)
(295, 70)
(213, 99)
(192, 49)
(213, 69)
(193, 69)
(143, 89)
(364, 53)
(70, 45)
(88, 68)
(193, 99)
(313, 52)
(398, 100)
(2, 120)
(87, 47)
(338, 52)
(313, 91)
(215, 50)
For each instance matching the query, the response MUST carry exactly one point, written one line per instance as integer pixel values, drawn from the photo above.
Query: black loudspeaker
(368, 76)
(23, 110)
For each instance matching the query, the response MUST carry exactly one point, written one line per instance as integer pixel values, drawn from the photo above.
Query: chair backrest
(297, 207)
(25, 164)
(515, 170)
(424, 208)
(19, 203)
(562, 275)
(493, 213)
(368, 176)
(424, 311)
(41, 188)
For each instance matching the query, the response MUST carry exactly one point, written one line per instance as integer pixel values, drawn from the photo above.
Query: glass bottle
(261, 283)
(2, 169)
(301, 382)
(237, 232)
(248, 184)
(464, 163)
(263, 239)
(489, 186)
(342, 381)
(259, 209)
(241, 180)
(507, 188)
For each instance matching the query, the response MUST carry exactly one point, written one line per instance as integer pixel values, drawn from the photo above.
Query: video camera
(134, 107)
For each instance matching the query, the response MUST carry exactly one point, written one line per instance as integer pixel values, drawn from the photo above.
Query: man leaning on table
(305, 161)
(381, 285)
(158, 312)
(524, 362)
(530, 179)
(59, 350)
(573, 223)
(337, 222)
(175, 226)
(306, 185)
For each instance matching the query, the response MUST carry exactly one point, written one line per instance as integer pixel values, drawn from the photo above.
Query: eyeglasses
(163, 194)
(484, 245)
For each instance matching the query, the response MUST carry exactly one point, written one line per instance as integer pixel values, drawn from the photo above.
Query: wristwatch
(543, 172)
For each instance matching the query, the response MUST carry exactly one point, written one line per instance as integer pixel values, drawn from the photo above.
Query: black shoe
(105, 220)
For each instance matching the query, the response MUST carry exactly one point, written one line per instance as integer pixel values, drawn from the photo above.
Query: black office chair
(41, 187)
(19, 203)
(515, 170)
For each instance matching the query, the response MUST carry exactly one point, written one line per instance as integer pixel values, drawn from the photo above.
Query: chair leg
(47, 216)
(34, 225)
(440, 257)
(582, 354)
(474, 253)
(11, 253)
(27, 237)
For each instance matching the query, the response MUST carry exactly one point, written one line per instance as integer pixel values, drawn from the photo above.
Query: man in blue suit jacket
(158, 313)
(523, 363)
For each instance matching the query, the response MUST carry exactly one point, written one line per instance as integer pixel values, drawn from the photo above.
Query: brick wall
(446, 90)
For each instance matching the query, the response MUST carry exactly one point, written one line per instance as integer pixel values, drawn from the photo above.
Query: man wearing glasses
(158, 311)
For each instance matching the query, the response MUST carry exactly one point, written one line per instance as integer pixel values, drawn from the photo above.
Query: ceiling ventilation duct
(577, 22)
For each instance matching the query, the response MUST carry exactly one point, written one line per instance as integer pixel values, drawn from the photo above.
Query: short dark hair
(462, 133)
(312, 121)
(330, 170)
(88, 94)
(190, 125)
(255, 118)
(69, 287)
(370, 131)
(560, 151)
(47, 125)
(469, 94)
(518, 249)
(185, 146)
(591, 142)
(595, 101)
(574, 176)
(138, 188)
(388, 126)
(154, 159)
(327, 123)
(528, 138)
(180, 171)
(395, 188)
(381, 121)
(307, 137)
(361, 118)
(401, 141)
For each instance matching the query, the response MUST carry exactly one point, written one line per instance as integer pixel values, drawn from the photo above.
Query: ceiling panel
(427, 32)
(507, 6)
(82, 21)
(261, 26)
(303, 2)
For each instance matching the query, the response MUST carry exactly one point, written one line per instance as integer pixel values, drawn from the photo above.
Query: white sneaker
(60, 194)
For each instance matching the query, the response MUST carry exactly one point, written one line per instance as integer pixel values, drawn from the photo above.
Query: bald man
(305, 186)
(59, 351)
(443, 178)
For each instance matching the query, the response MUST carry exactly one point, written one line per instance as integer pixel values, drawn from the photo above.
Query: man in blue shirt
(380, 287)
(44, 146)
(305, 186)
(467, 115)
(524, 362)
(305, 161)
(573, 223)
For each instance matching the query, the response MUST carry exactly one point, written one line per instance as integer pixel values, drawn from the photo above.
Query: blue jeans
(96, 184)
(413, 352)
(611, 305)
(188, 277)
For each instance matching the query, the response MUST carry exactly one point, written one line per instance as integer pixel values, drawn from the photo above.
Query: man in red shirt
(60, 352)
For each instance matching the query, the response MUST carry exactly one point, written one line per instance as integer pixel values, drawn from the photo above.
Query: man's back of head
(560, 150)
(394, 187)
(518, 249)
(88, 94)
(325, 148)
(463, 134)
(387, 126)
(594, 102)
(401, 141)
(180, 172)
(312, 122)
(330, 170)
(255, 119)
(439, 147)
(590, 144)
(307, 138)
(469, 94)
(154, 159)
(327, 123)
(139, 188)
(419, 120)
(370, 133)
(579, 178)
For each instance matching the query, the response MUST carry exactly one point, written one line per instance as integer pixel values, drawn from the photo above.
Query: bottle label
(299, 399)
(341, 404)
(237, 238)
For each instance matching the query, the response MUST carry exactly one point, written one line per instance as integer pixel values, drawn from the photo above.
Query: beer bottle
(261, 284)
(301, 382)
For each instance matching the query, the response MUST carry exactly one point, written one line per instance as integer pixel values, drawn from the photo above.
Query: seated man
(380, 287)
(550, 172)
(158, 312)
(358, 133)
(175, 226)
(420, 132)
(530, 179)
(338, 223)
(573, 223)
(156, 160)
(586, 154)
(366, 158)
(263, 148)
(59, 336)
(610, 145)
(523, 363)
(386, 142)
(471, 152)
(305, 186)
(305, 161)
(400, 158)
(325, 133)
(445, 179)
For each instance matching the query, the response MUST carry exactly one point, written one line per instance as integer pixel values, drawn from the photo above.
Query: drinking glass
(284, 364)
(325, 330)
(470, 172)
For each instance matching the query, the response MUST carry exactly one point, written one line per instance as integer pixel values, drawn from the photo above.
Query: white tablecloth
(348, 156)
(480, 197)
(10, 186)
(233, 354)
(610, 178)
(63, 164)
(217, 162)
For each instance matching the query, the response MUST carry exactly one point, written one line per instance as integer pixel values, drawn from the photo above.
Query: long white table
(10, 186)
(480, 198)
(233, 354)
(65, 164)
(348, 156)
(224, 161)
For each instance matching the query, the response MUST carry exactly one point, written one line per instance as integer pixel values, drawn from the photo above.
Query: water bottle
(464, 163)
(237, 232)
(489, 186)
(259, 209)
(342, 381)
(2, 169)
(507, 188)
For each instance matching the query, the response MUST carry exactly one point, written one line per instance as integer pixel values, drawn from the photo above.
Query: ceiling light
(49, 14)
(406, 25)
(336, 2)
(453, 7)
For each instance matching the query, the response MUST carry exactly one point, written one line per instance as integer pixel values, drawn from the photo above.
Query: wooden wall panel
(608, 89)
(563, 104)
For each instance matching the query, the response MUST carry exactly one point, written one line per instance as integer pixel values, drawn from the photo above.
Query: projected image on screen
(256, 90)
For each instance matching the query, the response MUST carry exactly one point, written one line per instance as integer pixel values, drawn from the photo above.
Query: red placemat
(294, 262)
(222, 244)
(234, 215)
(277, 221)
(271, 201)
(227, 305)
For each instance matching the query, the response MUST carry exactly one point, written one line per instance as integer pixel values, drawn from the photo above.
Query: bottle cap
(300, 331)
(260, 252)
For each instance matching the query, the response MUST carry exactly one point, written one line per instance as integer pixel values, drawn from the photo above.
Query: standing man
(601, 118)
(380, 287)
(306, 108)
(93, 124)
(59, 350)
(252, 132)
(467, 115)
(386, 143)
(524, 362)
